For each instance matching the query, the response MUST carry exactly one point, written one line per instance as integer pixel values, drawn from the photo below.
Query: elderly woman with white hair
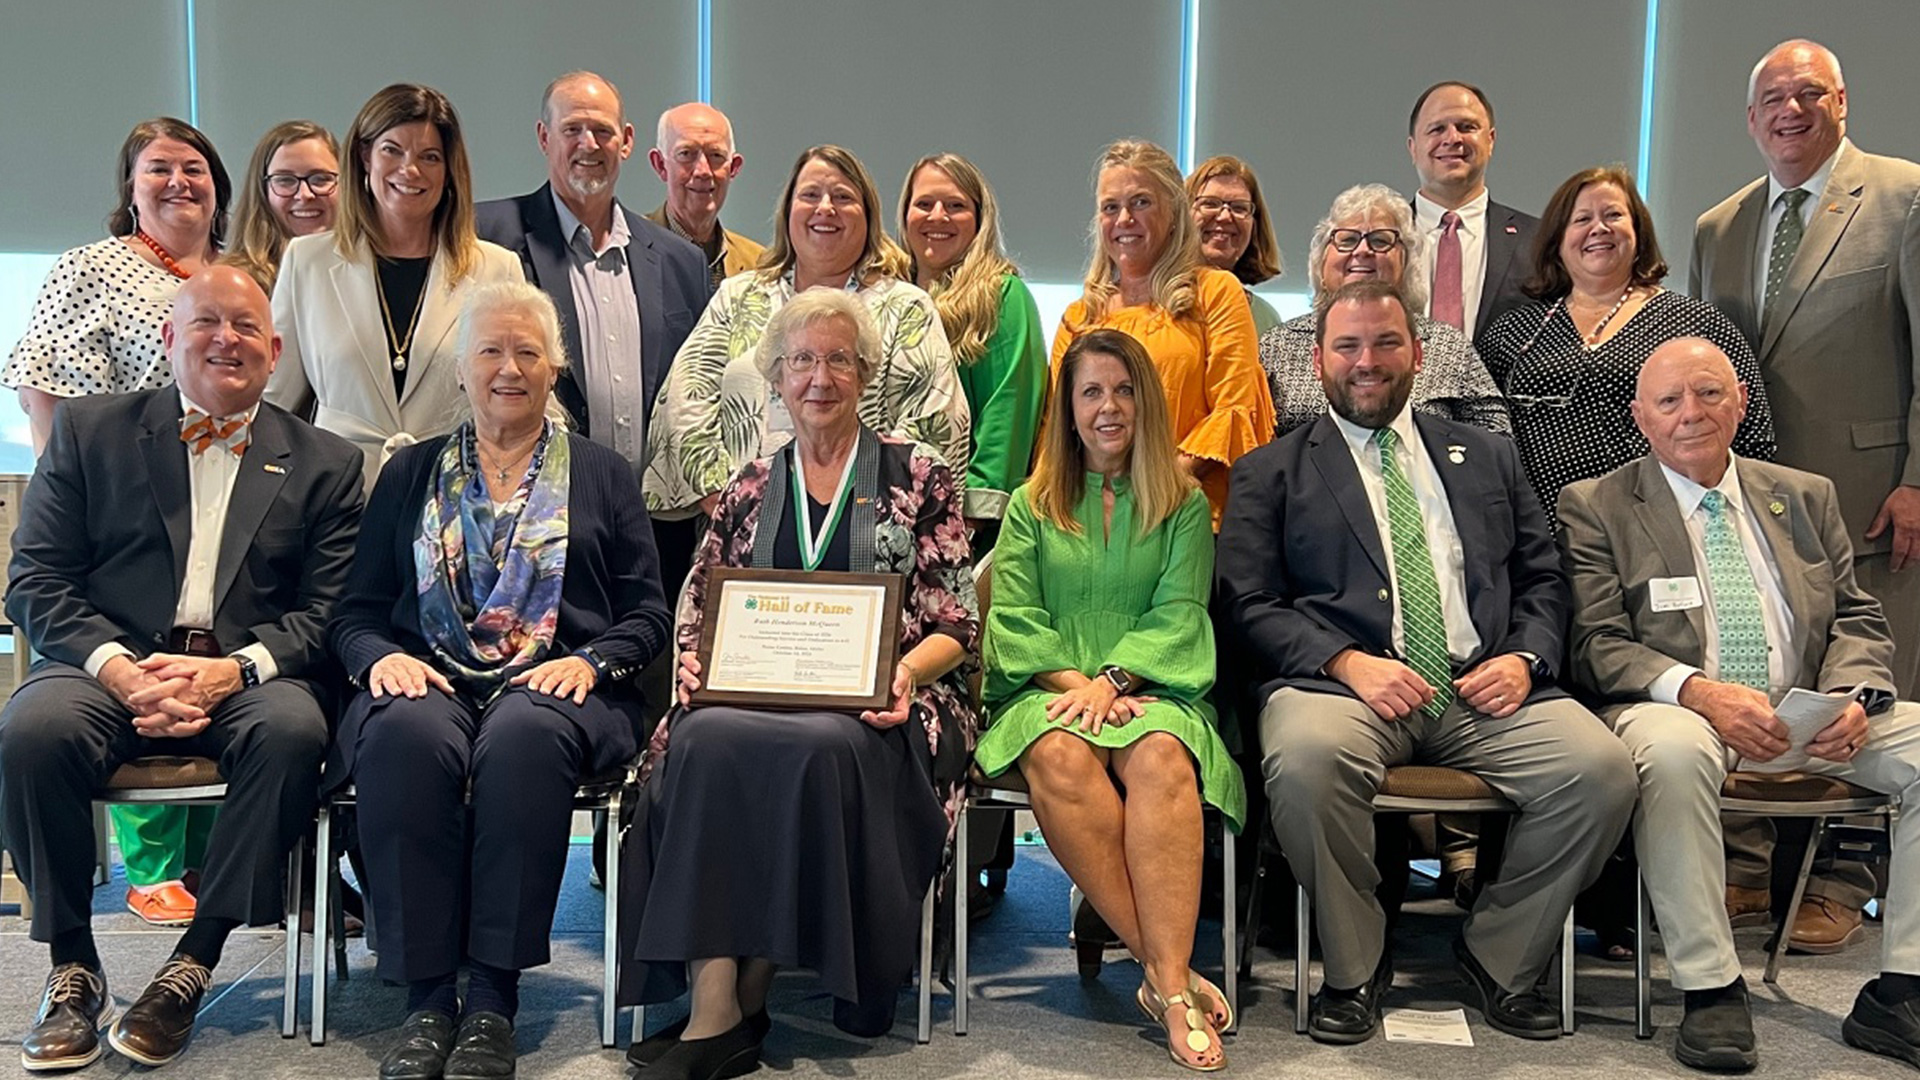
(1369, 234)
(504, 591)
(824, 866)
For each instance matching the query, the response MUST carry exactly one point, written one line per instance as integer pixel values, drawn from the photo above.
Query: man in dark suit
(1706, 587)
(178, 555)
(1478, 253)
(1818, 263)
(1393, 583)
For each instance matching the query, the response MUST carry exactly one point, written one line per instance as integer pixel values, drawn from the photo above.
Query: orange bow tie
(202, 432)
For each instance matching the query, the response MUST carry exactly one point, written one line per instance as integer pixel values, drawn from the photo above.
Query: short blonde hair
(1359, 201)
(488, 297)
(817, 305)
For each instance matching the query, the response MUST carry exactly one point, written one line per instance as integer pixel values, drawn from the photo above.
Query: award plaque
(791, 639)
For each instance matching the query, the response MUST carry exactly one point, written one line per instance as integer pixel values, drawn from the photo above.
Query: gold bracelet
(918, 679)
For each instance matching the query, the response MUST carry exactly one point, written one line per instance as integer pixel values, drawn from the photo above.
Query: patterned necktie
(1449, 301)
(1786, 244)
(1421, 622)
(201, 432)
(1736, 601)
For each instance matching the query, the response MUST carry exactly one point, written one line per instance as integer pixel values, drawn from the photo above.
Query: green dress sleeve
(1172, 644)
(1006, 388)
(1021, 639)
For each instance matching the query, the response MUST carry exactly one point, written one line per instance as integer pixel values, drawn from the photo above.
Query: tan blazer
(335, 363)
(1622, 530)
(740, 255)
(1838, 352)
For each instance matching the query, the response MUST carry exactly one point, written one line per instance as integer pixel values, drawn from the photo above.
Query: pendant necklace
(395, 341)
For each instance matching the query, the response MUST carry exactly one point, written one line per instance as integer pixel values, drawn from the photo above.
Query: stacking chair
(1801, 795)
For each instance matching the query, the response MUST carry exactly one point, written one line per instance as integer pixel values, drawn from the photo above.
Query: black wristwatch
(593, 660)
(1122, 679)
(249, 671)
(1536, 667)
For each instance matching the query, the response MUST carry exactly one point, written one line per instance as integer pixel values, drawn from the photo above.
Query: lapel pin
(1513, 230)
(1457, 454)
(272, 468)
(1776, 508)
(1833, 208)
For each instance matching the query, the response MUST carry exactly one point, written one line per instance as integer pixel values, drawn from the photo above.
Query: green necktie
(1786, 244)
(1421, 622)
(1736, 600)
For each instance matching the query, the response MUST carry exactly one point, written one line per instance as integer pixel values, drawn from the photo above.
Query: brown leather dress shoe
(1748, 907)
(158, 1024)
(1824, 926)
(66, 1031)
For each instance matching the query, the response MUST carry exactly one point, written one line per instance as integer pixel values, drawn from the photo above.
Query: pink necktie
(1448, 307)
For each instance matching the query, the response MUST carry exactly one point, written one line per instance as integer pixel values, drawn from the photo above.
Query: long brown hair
(967, 295)
(1261, 261)
(258, 238)
(1153, 462)
(880, 257)
(122, 222)
(1176, 277)
(356, 219)
(1550, 279)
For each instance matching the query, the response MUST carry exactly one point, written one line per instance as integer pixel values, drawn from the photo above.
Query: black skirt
(808, 839)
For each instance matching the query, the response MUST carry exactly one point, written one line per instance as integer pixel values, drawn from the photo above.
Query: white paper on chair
(1445, 1027)
(1806, 715)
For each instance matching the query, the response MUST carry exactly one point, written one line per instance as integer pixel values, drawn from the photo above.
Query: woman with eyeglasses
(292, 183)
(1369, 234)
(1236, 231)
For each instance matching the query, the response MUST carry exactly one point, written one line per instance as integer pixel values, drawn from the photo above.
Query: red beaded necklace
(161, 253)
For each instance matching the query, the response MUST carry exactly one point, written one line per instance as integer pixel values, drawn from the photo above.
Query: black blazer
(669, 280)
(101, 549)
(1509, 264)
(610, 598)
(1301, 572)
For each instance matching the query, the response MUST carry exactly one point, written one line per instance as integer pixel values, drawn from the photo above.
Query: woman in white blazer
(366, 312)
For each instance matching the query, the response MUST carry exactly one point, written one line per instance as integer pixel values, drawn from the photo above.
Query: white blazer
(334, 355)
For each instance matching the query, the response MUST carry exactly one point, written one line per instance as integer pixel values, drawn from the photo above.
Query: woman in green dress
(1099, 656)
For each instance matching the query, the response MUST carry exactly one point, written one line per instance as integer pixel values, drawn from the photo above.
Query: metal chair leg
(962, 886)
(1302, 944)
(1642, 958)
(610, 925)
(1256, 895)
(1566, 975)
(1780, 938)
(1230, 924)
(290, 981)
(324, 867)
(924, 1034)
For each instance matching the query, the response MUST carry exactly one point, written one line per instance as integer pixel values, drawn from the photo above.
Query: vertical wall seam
(1648, 64)
(193, 69)
(704, 45)
(1189, 81)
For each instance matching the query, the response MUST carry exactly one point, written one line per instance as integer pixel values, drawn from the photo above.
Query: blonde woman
(293, 182)
(950, 225)
(1099, 656)
(1236, 229)
(1147, 277)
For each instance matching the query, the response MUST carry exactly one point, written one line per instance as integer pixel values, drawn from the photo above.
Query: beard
(588, 186)
(1376, 413)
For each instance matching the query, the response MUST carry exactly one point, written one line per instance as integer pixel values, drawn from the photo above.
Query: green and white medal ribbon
(814, 548)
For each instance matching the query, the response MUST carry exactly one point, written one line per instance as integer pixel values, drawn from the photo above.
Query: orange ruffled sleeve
(1239, 407)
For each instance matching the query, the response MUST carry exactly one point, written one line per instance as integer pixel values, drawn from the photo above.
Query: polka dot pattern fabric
(95, 327)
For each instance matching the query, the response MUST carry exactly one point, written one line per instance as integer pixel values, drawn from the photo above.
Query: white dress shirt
(608, 314)
(1443, 539)
(1472, 232)
(1817, 185)
(210, 479)
(1783, 664)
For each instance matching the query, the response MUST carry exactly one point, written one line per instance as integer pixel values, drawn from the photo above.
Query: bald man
(178, 556)
(693, 152)
(1706, 586)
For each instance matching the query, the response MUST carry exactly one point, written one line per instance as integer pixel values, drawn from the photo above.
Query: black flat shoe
(1091, 936)
(1878, 1028)
(654, 1047)
(1345, 1017)
(426, 1038)
(1527, 1014)
(482, 1048)
(1716, 1034)
(733, 1052)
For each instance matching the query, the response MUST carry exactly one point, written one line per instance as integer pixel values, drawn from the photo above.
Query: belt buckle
(190, 643)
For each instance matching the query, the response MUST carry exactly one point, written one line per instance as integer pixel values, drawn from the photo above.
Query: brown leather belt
(194, 642)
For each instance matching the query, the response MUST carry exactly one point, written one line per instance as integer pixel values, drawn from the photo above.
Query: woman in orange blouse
(1149, 279)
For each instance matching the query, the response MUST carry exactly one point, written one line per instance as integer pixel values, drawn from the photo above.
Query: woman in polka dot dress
(95, 327)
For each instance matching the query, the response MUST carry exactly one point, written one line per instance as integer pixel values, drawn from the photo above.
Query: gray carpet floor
(1031, 1017)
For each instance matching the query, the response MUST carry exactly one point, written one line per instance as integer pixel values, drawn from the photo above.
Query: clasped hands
(400, 675)
(1094, 704)
(171, 696)
(1744, 720)
(1496, 687)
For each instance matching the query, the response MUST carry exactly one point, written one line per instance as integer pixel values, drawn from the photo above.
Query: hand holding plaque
(785, 639)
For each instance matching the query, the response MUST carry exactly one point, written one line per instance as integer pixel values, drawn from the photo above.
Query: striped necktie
(1736, 600)
(1421, 621)
(1786, 244)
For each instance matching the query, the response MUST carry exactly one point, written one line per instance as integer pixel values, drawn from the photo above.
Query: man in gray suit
(1828, 295)
(1706, 587)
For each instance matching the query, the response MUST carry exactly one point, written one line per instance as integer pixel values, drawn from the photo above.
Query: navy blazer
(1509, 265)
(669, 279)
(1301, 572)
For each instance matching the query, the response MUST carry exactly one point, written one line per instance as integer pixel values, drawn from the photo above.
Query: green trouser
(160, 843)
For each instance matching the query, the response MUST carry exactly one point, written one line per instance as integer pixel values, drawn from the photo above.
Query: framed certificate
(791, 639)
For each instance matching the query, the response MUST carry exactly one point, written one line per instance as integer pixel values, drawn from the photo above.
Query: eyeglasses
(1378, 241)
(287, 185)
(1209, 206)
(802, 363)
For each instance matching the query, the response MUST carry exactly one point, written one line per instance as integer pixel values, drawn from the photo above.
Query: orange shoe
(165, 904)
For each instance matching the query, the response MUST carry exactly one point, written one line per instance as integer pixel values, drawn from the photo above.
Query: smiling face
(1798, 114)
(1103, 410)
(220, 340)
(583, 138)
(407, 172)
(1598, 245)
(173, 187)
(508, 373)
(1689, 405)
(1134, 219)
(698, 163)
(1367, 361)
(823, 398)
(941, 220)
(1452, 142)
(826, 222)
(303, 212)
(1363, 263)
(1223, 212)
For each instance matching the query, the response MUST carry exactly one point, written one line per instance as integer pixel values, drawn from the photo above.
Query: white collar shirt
(1472, 232)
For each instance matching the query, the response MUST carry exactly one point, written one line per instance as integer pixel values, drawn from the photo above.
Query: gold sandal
(1204, 990)
(1200, 1037)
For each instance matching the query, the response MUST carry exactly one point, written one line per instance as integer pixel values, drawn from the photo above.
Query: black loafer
(1527, 1014)
(426, 1038)
(733, 1052)
(482, 1048)
(1878, 1028)
(1716, 1034)
(1345, 1017)
(654, 1047)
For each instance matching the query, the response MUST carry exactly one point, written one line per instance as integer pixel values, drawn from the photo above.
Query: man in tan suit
(1828, 296)
(693, 152)
(1705, 587)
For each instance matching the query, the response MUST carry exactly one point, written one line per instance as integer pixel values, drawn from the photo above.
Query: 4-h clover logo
(752, 603)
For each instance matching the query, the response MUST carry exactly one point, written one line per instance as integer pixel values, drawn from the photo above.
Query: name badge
(1674, 593)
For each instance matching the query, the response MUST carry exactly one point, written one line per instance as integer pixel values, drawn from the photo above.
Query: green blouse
(1006, 389)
